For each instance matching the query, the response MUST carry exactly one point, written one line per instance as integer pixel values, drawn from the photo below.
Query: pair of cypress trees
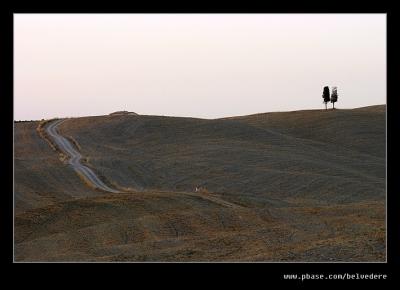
(330, 97)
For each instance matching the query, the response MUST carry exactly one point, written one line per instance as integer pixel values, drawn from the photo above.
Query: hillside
(290, 186)
(40, 178)
(268, 154)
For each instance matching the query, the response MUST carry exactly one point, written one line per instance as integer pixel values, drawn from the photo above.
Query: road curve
(75, 157)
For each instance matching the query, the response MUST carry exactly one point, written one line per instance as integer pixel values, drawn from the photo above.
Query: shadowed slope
(295, 154)
(361, 129)
(174, 227)
(275, 187)
(40, 177)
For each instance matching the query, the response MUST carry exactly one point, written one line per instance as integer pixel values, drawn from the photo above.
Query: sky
(195, 65)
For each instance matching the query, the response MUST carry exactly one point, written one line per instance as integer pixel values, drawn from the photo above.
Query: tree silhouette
(325, 96)
(334, 96)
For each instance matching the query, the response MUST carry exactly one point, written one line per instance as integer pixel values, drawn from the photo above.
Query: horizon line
(175, 116)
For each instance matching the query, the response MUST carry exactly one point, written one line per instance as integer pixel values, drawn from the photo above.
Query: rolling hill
(287, 186)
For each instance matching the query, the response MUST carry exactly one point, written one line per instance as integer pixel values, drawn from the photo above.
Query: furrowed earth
(290, 186)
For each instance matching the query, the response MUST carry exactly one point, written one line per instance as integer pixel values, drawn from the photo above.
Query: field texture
(291, 186)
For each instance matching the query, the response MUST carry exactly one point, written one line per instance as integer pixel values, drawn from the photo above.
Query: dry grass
(156, 226)
(40, 178)
(45, 136)
(87, 182)
(73, 141)
(243, 156)
(276, 187)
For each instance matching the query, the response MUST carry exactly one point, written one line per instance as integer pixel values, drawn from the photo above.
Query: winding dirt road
(75, 161)
(75, 157)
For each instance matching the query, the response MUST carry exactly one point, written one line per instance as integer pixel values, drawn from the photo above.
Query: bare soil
(290, 186)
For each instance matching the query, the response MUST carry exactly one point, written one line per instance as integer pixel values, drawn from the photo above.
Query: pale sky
(195, 65)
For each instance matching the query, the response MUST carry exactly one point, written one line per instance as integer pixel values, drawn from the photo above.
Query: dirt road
(75, 157)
